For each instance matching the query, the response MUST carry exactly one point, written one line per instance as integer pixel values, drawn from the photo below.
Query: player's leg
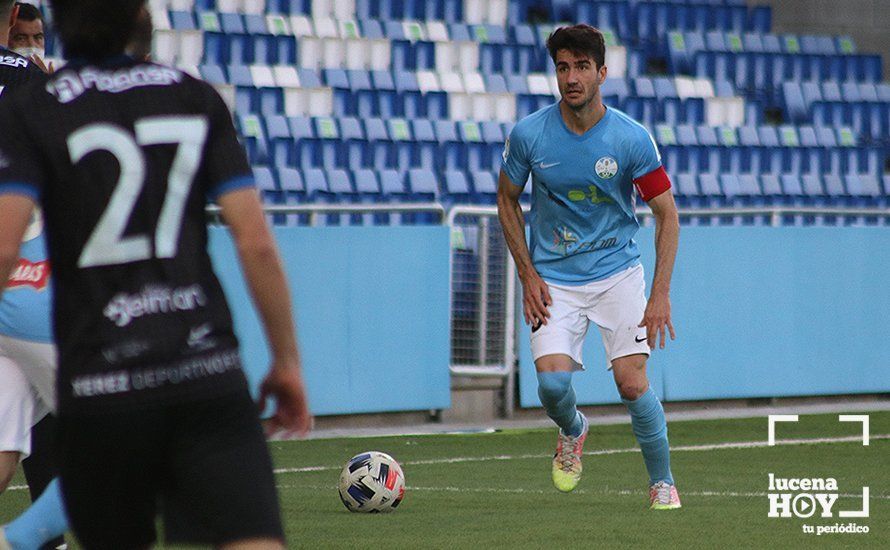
(110, 471)
(17, 408)
(221, 488)
(556, 348)
(43, 521)
(9, 460)
(618, 311)
(649, 427)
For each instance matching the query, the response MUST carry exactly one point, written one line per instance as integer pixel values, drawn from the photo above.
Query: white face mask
(31, 50)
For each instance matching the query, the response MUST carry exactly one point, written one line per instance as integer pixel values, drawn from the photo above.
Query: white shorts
(27, 390)
(615, 304)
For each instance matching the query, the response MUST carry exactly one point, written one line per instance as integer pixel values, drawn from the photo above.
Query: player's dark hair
(94, 29)
(28, 12)
(140, 41)
(580, 40)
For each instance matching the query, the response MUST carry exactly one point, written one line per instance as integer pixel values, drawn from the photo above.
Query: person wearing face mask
(27, 352)
(26, 36)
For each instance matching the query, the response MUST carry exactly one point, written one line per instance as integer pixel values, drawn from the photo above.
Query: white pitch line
(606, 491)
(679, 448)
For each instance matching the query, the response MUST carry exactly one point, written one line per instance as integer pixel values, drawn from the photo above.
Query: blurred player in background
(27, 38)
(27, 353)
(582, 264)
(154, 410)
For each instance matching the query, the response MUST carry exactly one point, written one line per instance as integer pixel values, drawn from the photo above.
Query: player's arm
(264, 273)
(21, 174)
(16, 209)
(535, 294)
(667, 237)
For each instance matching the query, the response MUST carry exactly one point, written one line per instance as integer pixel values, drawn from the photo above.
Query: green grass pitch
(493, 490)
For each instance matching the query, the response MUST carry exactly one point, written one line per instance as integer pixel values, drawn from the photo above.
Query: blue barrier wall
(760, 312)
(372, 308)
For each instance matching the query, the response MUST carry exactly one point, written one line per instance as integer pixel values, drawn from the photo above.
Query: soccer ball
(372, 482)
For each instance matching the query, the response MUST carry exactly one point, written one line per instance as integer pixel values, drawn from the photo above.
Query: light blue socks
(558, 397)
(43, 521)
(650, 427)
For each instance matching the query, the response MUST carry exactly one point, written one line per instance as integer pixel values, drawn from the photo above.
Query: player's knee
(553, 386)
(8, 462)
(631, 390)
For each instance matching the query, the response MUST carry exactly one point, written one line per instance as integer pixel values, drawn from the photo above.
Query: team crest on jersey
(28, 273)
(606, 167)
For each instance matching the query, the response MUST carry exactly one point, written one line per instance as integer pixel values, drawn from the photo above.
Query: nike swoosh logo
(551, 165)
(638, 339)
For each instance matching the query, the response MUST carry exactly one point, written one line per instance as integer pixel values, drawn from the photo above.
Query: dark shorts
(203, 465)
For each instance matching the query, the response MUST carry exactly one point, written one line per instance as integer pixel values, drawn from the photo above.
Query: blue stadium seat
(367, 186)
(302, 132)
(791, 188)
(495, 84)
(408, 93)
(266, 185)
(391, 185)
(289, 7)
(372, 29)
(811, 187)
(518, 84)
(523, 35)
(213, 74)
(834, 188)
(339, 185)
(399, 132)
(686, 190)
(352, 143)
(752, 42)
(309, 78)
(457, 189)
(280, 140)
(183, 21)
(422, 185)
(253, 135)
(760, 19)
(315, 183)
(614, 90)
(770, 185)
(484, 187)
(795, 106)
(425, 146)
(379, 152)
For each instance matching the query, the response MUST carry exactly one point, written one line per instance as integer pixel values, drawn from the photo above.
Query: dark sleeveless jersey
(123, 157)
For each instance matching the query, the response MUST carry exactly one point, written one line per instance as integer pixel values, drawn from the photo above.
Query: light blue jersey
(25, 307)
(582, 219)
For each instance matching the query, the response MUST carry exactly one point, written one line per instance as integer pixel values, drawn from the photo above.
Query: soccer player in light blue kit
(582, 264)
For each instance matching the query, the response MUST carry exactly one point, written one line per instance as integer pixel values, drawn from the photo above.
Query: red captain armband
(653, 184)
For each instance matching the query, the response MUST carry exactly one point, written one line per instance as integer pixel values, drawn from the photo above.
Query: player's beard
(584, 103)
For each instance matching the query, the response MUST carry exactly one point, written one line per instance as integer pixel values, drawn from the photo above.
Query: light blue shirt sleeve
(517, 164)
(644, 154)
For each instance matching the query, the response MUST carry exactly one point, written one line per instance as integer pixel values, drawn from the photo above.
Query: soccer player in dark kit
(155, 416)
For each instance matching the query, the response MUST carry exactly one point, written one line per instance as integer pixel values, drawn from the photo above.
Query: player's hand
(285, 383)
(656, 318)
(535, 300)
